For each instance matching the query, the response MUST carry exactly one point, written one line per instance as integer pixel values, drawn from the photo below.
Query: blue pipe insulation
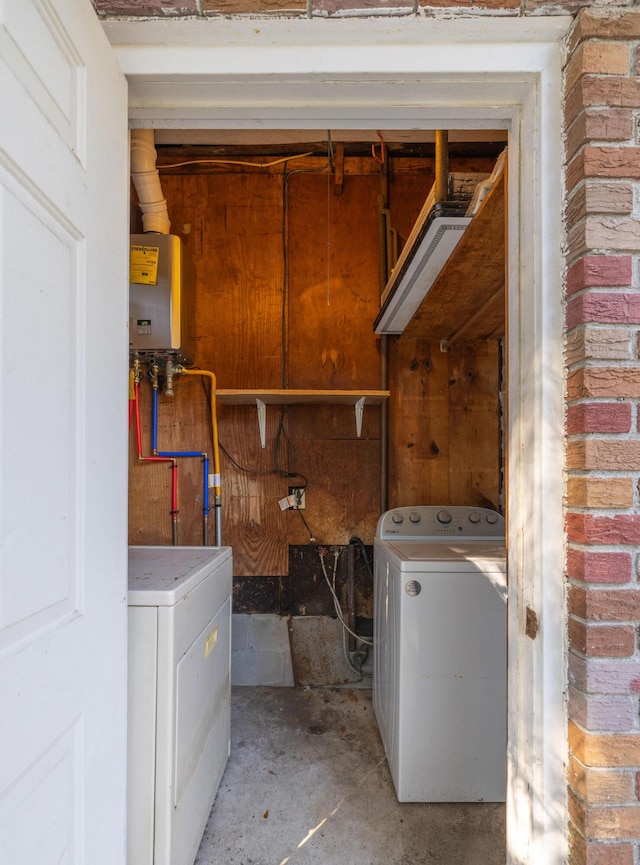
(180, 454)
(205, 472)
(205, 488)
(205, 465)
(154, 422)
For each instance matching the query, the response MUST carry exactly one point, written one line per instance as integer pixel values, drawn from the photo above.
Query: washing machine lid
(446, 555)
(162, 576)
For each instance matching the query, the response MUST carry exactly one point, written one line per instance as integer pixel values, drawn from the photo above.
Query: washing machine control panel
(427, 522)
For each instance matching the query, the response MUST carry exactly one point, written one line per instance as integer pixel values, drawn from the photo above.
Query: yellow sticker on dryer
(143, 265)
(210, 641)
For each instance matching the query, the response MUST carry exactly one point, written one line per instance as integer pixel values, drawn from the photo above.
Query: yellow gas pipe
(216, 449)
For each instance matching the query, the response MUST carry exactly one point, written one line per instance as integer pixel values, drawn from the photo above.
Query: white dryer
(440, 652)
(179, 696)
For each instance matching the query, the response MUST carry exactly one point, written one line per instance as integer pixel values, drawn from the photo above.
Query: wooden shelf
(467, 300)
(289, 396)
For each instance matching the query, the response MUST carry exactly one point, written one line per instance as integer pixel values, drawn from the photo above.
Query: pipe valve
(170, 369)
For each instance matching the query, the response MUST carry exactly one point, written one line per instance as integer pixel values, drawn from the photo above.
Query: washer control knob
(414, 517)
(474, 517)
(397, 518)
(492, 519)
(444, 517)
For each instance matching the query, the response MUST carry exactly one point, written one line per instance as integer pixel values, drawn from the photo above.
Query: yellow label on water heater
(143, 265)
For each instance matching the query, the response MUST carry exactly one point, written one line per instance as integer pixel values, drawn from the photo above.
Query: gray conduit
(384, 270)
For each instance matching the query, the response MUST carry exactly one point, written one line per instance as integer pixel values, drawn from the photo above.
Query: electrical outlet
(300, 498)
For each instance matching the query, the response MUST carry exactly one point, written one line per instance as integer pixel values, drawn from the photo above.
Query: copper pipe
(441, 182)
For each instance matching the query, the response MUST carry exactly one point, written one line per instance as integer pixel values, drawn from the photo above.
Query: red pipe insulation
(154, 459)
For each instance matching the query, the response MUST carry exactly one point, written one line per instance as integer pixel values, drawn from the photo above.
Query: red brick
(603, 308)
(615, 853)
(479, 4)
(599, 417)
(599, 271)
(253, 7)
(604, 605)
(599, 196)
(621, 823)
(582, 852)
(591, 529)
(146, 8)
(541, 7)
(576, 809)
(603, 381)
(606, 161)
(622, 455)
(603, 233)
(604, 23)
(610, 641)
(596, 567)
(599, 124)
(605, 677)
(602, 749)
(602, 641)
(599, 90)
(612, 713)
(591, 491)
(597, 343)
(604, 58)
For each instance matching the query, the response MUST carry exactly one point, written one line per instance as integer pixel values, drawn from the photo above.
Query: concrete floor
(307, 783)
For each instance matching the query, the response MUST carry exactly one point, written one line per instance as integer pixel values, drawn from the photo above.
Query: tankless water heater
(161, 296)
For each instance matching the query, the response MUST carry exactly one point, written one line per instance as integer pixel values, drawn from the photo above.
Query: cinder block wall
(602, 109)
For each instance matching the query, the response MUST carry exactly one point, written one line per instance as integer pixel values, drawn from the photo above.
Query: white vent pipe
(146, 180)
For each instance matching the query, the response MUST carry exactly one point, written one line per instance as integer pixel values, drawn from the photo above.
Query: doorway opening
(285, 239)
(287, 233)
(417, 88)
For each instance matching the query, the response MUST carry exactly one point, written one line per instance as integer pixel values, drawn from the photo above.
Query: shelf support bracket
(359, 408)
(262, 421)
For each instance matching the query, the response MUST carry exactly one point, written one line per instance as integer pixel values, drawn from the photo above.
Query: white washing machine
(179, 697)
(440, 652)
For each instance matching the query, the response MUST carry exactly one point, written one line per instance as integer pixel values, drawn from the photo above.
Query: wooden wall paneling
(235, 240)
(418, 424)
(236, 244)
(333, 282)
(333, 299)
(342, 471)
(182, 426)
(474, 432)
(253, 523)
(407, 195)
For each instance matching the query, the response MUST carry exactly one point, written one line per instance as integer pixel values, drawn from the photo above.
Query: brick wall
(602, 98)
(329, 8)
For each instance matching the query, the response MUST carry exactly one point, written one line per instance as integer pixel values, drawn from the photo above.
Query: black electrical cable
(312, 540)
(275, 470)
(363, 552)
(292, 472)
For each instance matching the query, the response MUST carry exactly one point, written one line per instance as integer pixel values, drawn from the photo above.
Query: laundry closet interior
(309, 397)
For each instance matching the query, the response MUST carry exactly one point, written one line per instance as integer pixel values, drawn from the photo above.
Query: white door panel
(63, 348)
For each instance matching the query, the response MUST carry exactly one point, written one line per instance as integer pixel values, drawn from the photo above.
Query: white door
(63, 282)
